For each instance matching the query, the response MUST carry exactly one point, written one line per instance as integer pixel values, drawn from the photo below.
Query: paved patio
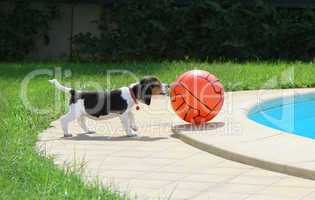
(238, 138)
(158, 166)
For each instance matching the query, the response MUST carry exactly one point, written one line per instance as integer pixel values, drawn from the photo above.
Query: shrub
(202, 29)
(22, 26)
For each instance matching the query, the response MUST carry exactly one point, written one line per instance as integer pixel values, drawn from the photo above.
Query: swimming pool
(294, 114)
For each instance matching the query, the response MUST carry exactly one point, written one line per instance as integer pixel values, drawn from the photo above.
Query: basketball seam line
(195, 108)
(190, 107)
(211, 110)
(185, 102)
(211, 82)
(196, 97)
(180, 105)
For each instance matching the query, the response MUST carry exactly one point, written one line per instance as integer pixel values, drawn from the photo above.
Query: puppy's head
(151, 85)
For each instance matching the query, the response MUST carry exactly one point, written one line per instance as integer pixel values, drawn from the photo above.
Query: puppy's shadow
(204, 127)
(93, 137)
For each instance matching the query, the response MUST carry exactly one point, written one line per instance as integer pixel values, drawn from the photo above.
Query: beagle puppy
(106, 105)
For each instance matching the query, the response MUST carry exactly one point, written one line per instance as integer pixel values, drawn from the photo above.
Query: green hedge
(202, 29)
(21, 26)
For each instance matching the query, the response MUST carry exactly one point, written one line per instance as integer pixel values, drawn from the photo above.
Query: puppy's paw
(132, 133)
(67, 135)
(135, 128)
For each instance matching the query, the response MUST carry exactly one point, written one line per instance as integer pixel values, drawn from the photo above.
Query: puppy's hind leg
(65, 120)
(69, 117)
(82, 123)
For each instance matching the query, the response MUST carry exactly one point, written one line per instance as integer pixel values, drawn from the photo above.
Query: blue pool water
(294, 115)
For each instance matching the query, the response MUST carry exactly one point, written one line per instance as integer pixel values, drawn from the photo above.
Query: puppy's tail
(59, 86)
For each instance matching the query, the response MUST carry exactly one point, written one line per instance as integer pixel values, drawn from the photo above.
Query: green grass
(26, 175)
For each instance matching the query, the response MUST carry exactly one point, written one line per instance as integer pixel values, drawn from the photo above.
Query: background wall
(156, 24)
(60, 34)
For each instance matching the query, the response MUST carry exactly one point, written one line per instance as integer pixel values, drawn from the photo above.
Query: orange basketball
(197, 96)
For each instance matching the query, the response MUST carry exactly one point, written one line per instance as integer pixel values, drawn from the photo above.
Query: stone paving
(157, 166)
(236, 137)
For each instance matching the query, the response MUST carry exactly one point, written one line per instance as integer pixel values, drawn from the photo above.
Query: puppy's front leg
(132, 121)
(125, 120)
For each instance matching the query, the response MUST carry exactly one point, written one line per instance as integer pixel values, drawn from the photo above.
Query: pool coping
(257, 145)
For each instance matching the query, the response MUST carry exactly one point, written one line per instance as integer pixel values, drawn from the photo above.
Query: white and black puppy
(105, 105)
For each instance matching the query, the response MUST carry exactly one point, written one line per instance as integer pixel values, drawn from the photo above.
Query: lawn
(24, 174)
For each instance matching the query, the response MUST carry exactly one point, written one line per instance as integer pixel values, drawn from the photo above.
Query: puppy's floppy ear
(147, 95)
(143, 82)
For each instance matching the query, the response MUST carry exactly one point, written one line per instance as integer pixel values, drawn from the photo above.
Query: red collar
(132, 94)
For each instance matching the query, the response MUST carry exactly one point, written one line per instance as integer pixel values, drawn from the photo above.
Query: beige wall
(59, 46)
